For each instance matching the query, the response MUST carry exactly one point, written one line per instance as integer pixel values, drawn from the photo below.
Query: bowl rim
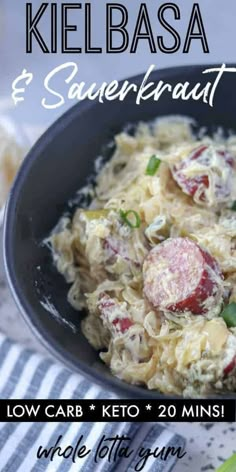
(2, 212)
(119, 387)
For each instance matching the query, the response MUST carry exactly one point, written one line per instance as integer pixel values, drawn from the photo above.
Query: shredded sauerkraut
(191, 197)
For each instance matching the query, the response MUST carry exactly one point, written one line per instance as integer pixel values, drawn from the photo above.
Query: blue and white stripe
(25, 374)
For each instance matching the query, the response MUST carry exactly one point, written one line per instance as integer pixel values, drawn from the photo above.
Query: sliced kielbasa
(230, 367)
(198, 183)
(118, 247)
(113, 314)
(180, 276)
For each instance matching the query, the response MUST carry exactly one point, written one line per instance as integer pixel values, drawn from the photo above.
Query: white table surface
(207, 444)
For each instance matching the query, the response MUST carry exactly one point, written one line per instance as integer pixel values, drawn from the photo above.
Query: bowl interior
(56, 167)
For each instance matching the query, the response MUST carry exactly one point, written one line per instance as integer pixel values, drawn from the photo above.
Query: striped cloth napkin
(25, 374)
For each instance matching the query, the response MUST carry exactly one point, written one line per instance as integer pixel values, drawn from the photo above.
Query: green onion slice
(229, 465)
(233, 207)
(131, 218)
(153, 165)
(229, 315)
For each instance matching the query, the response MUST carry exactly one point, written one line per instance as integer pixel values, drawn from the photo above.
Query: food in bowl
(152, 259)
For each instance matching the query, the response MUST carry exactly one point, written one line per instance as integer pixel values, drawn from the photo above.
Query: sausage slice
(204, 158)
(180, 276)
(113, 315)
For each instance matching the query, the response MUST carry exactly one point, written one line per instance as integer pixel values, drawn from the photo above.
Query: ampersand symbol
(17, 91)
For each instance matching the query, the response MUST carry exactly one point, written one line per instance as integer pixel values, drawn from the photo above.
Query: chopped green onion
(229, 315)
(233, 207)
(125, 217)
(229, 465)
(153, 165)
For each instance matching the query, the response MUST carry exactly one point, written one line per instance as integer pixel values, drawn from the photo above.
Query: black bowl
(56, 167)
